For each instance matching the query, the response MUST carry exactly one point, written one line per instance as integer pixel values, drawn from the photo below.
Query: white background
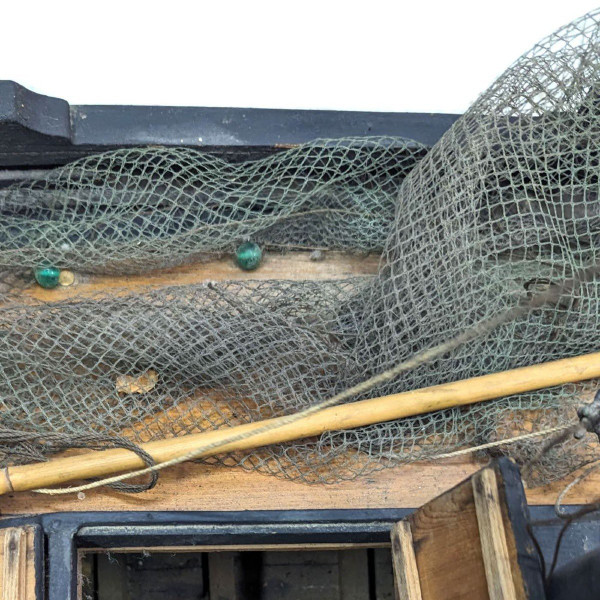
(367, 55)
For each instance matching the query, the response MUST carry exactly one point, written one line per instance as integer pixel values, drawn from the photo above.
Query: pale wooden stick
(494, 547)
(345, 416)
(406, 574)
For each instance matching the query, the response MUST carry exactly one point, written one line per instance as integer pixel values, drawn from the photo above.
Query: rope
(92, 441)
(525, 436)
(549, 296)
(180, 459)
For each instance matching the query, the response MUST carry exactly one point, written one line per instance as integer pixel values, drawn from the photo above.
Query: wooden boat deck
(214, 488)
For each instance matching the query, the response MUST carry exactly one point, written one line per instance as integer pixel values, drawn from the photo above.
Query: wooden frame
(58, 133)
(471, 542)
(18, 569)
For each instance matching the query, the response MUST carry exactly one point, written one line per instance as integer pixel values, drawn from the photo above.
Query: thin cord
(567, 518)
(550, 296)
(525, 436)
(558, 504)
(180, 459)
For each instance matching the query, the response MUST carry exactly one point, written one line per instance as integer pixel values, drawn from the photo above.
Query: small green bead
(248, 256)
(47, 277)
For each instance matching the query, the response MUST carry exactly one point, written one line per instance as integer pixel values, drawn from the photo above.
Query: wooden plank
(406, 575)
(17, 564)
(383, 575)
(299, 576)
(446, 541)
(527, 575)
(205, 487)
(353, 574)
(448, 549)
(239, 548)
(200, 487)
(224, 576)
(14, 566)
(231, 575)
(295, 266)
(492, 535)
(147, 576)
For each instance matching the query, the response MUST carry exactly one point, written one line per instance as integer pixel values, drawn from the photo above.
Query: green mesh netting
(505, 204)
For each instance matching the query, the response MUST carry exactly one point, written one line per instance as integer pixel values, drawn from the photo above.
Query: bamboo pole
(346, 416)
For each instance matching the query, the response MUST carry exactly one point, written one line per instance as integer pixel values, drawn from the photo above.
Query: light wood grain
(199, 487)
(406, 575)
(203, 487)
(215, 488)
(273, 431)
(295, 266)
(492, 536)
(223, 576)
(17, 566)
(447, 548)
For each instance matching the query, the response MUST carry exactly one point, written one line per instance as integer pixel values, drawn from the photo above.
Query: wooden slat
(451, 560)
(353, 574)
(447, 549)
(342, 548)
(492, 536)
(213, 488)
(17, 565)
(145, 576)
(294, 266)
(14, 565)
(383, 574)
(223, 575)
(203, 487)
(199, 487)
(406, 575)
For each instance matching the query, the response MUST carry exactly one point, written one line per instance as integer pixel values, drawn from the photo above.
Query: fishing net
(503, 206)
(135, 210)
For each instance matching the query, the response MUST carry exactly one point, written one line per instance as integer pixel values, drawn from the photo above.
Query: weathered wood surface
(295, 266)
(406, 575)
(447, 559)
(17, 566)
(233, 575)
(469, 543)
(492, 536)
(198, 487)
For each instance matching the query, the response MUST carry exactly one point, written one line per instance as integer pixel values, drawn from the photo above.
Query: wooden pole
(346, 416)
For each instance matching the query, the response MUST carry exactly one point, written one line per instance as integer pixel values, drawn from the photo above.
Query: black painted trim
(518, 514)
(37, 130)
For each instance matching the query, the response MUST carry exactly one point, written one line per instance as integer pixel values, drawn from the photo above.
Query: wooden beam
(406, 575)
(317, 547)
(216, 488)
(294, 266)
(470, 543)
(213, 487)
(353, 574)
(17, 565)
(492, 536)
(223, 575)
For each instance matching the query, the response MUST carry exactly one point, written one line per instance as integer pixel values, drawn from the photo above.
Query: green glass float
(47, 277)
(248, 256)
